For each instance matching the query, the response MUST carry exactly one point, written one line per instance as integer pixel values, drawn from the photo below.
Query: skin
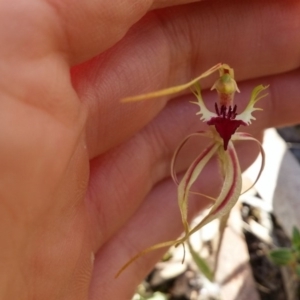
(85, 180)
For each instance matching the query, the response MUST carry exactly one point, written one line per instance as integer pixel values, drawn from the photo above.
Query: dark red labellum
(225, 123)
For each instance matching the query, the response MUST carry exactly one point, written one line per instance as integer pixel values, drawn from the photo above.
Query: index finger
(92, 26)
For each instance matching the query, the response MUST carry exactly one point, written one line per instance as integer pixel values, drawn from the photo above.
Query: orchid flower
(223, 124)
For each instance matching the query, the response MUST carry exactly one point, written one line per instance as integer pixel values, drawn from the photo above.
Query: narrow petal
(231, 187)
(205, 114)
(243, 136)
(246, 115)
(190, 177)
(174, 89)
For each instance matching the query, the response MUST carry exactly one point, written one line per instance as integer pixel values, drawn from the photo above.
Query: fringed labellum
(223, 123)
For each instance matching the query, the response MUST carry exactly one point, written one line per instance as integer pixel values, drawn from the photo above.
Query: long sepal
(147, 250)
(246, 115)
(231, 187)
(243, 136)
(174, 89)
(189, 178)
(178, 149)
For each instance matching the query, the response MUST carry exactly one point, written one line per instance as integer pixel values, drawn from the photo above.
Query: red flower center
(225, 122)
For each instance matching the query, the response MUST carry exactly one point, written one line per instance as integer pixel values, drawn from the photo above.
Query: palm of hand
(71, 173)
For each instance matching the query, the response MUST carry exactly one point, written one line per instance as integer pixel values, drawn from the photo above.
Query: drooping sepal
(243, 136)
(231, 189)
(189, 178)
(147, 250)
(201, 133)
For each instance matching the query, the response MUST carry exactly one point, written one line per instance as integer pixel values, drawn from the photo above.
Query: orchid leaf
(189, 178)
(231, 187)
(296, 238)
(222, 226)
(246, 115)
(172, 90)
(282, 256)
(298, 270)
(201, 263)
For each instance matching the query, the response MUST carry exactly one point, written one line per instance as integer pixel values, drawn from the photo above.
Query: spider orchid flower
(223, 124)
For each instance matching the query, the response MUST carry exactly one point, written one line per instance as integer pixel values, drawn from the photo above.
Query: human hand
(83, 174)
